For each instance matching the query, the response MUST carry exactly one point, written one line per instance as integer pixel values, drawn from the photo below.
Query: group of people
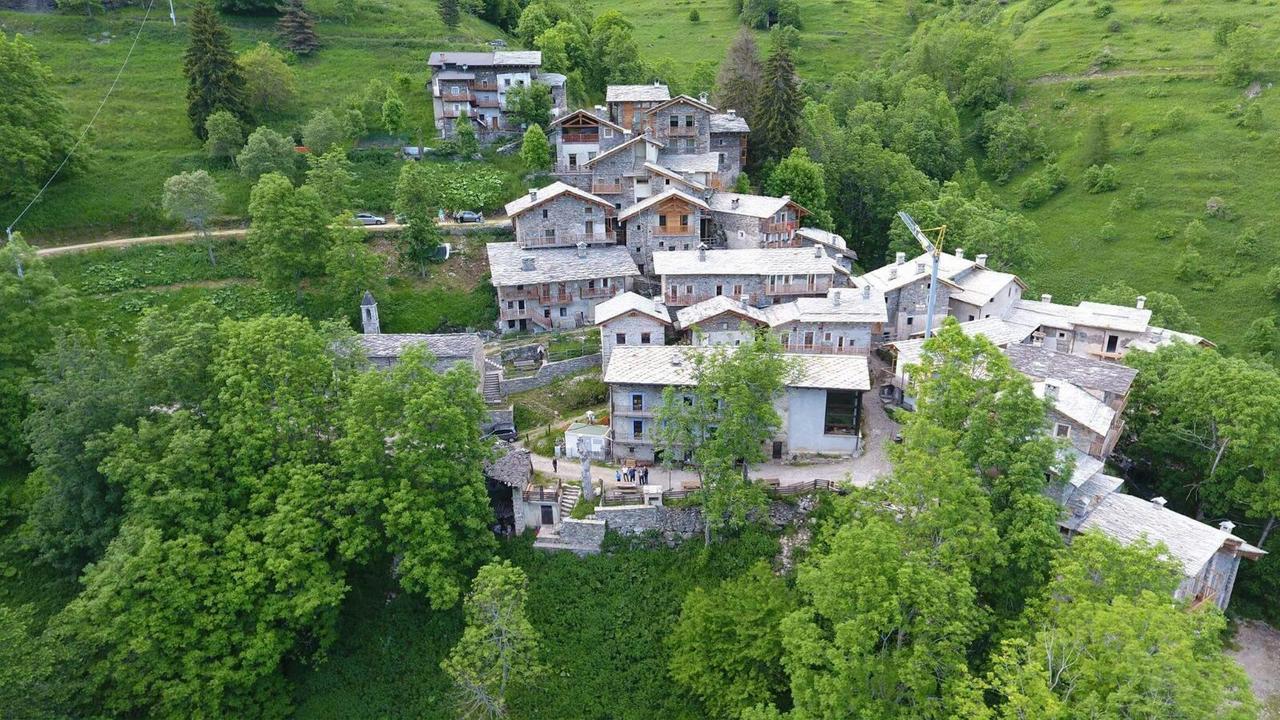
(632, 474)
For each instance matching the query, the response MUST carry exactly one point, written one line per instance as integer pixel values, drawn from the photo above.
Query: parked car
(468, 216)
(505, 430)
(370, 219)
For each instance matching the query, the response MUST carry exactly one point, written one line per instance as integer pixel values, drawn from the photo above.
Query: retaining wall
(549, 372)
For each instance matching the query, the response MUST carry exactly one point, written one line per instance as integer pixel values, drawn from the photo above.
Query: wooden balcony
(680, 298)
(568, 239)
(785, 228)
(598, 292)
(796, 288)
(682, 131)
(484, 85)
(580, 137)
(485, 102)
(826, 348)
(463, 95)
(606, 188)
(685, 231)
(542, 493)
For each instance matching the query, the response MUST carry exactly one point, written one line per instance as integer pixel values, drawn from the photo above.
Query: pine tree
(740, 76)
(449, 13)
(214, 81)
(778, 117)
(297, 29)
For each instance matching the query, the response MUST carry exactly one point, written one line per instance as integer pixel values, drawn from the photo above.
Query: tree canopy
(34, 134)
(214, 79)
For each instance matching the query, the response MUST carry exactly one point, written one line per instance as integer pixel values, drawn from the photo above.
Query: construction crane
(934, 250)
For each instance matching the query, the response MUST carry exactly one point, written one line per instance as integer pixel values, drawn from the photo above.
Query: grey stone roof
(619, 147)
(1077, 404)
(669, 173)
(442, 346)
(511, 58)
(1087, 314)
(726, 123)
(527, 202)
(367, 298)
(455, 75)
(1088, 373)
(894, 276)
(553, 79)
(637, 93)
(1191, 543)
(718, 305)
(663, 196)
(747, 261)
(1083, 498)
(683, 99)
(999, 331)
(696, 163)
(841, 305)
(557, 264)
(512, 466)
(1158, 337)
(979, 285)
(760, 206)
(673, 365)
(628, 302)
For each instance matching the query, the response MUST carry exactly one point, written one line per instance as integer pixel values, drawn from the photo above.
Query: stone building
(582, 135)
(683, 124)
(755, 221)
(628, 105)
(728, 141)
(846, 321)
(447, 349)
(474, 85)
(967, 289)
(721, 320)
(821, 407)
(670, 220)
(1089, 329)
(619, 174)
(561, 215)
(766, 276)
(631, 320)
(555, 288)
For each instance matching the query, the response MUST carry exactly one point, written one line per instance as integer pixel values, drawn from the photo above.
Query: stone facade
(564, 221)
(762, 290)
(474, 86)
(908, 308)
(732, 149)
(631, 414)
(554, 306)
(683, 126)
(672, 224)
(640, 519)
(632, 328)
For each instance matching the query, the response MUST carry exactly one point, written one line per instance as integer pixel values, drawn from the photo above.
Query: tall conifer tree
(214, 81)
(298, 29)
(778, 117)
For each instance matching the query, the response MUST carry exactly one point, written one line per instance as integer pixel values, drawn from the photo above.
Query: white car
(370, 219)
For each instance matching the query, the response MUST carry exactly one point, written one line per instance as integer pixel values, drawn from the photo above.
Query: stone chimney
(1142, 302)
(1158, 501)
(919, 266)
(744, 301)
(533, 193)
(702, 253)
(582, 249)
(1050, 390)
(702, 97)
(817, 251)
(866, 292)
(657, 84)
(733, 113)
(526, 262)
(369, 314)
(893, 272)
(1046, 298)
(1226, 526)
(733, 203)
(981, 260)
(960, 253)
(899, 258)
(835, 297)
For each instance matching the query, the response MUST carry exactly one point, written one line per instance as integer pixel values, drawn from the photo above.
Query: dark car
(504, 430)
(468, 216)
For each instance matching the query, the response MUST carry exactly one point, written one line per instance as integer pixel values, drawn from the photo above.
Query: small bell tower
(369, 314)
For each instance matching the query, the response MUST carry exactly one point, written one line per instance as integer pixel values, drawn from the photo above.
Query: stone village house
(821, 408)
(630, 320)
(474, 85)
(844, 321)
(555, 288)
(766, 276)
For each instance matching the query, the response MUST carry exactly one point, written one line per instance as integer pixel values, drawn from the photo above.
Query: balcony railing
(536, 493)
(579, 137)
(483, 85)
(680, 298)
(606, 188)
(463, 95)
(598, 292)
(824, 348)
(682, 231)
(485, 102)
(681, 131)
(568, 239)
(780, 227)
(796, 288)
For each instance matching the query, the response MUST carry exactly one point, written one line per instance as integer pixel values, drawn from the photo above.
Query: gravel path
(1259, 654)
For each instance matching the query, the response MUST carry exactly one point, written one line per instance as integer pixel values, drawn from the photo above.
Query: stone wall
(567, 215)
(579, 536)
(549, 372)
(671, 523)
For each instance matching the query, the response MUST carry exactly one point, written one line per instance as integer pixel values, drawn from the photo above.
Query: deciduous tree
(535, 151)
(615, 56)
(34, 135)
(803, 179)
(529, 104)
(224, 137)
(323, 132)
(214, 79)
(350, 265)
(193, 197)
(974, 222)
(270, 84)
(267, 151)
(499, 647)
(331, 177)
(465, 137)
(289, 233)
(393, 113)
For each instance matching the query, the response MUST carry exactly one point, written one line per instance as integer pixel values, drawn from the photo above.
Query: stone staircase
(492, 387)
(569, 494)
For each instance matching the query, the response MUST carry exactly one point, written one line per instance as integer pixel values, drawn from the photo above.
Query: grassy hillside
(143, 135)
(1163, 57)
(838, 35)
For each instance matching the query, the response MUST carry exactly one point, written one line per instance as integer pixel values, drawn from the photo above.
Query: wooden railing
(536, 493)
(598, 292)
(576, 137)
(606, 187)
(795, 288)
(460, 96)
(825, 348)
(681, 131)
(780, 227)
(604, 238)
(685, 231)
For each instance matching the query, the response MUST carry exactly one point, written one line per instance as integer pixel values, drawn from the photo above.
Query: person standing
(555, 465)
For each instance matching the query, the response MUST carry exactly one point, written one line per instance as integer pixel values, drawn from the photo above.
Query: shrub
(1042, 186)
(1108, 232)
(1195, 233)
(1251, 119)
(1164, 232)
(1100, 179)
(1191, 268)
(694, 15)
(1138, 197)
(1247, 243)
(1103, 10)
(1176, 118)
(1216, 207)
(1114, 26)
(1272, 283)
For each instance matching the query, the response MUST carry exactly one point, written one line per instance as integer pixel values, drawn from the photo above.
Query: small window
(637, 402)
(589, 210)
(688, 289)
(549, 233)
(1062, 430)
(544, 213)
(684, 221)
(644, 338)
(908, 320)
(608, 132)
(688, 121)
(511, 324)
(970, 318)
(675, 121)
(620, 339)
(546, 313)
(637, 428)
(662, 221)
(564, 312)
(719, 290)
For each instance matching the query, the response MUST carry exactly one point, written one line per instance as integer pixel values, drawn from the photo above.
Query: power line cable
(85, 132)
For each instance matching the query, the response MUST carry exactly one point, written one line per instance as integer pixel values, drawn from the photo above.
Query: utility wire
(85, 132)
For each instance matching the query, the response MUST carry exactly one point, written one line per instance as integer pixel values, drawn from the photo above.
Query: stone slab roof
(1077, 404)
(695, 163)
(637, 93)
(512, 466)
(664, 365)
(1191, 543)
(841, 305)
(512, 58)
(1158, 337)
(619, 147)
(718, 305)
(590, 115)
(455, 75)
(1087, 314)
(747, 261)
(1038, 362)
(553, 79)
(667, 172)
(632, 302)
(682, 99)
(759, 206)
(894, 276)
(726, 123)
(528, 201)
(506, 264)
(1082, 499)
(827, 239)
(999, 331)
(980, 285)
(652, 200)
(443, 345)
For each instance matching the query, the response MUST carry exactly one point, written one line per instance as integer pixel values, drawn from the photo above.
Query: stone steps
(569, 495)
